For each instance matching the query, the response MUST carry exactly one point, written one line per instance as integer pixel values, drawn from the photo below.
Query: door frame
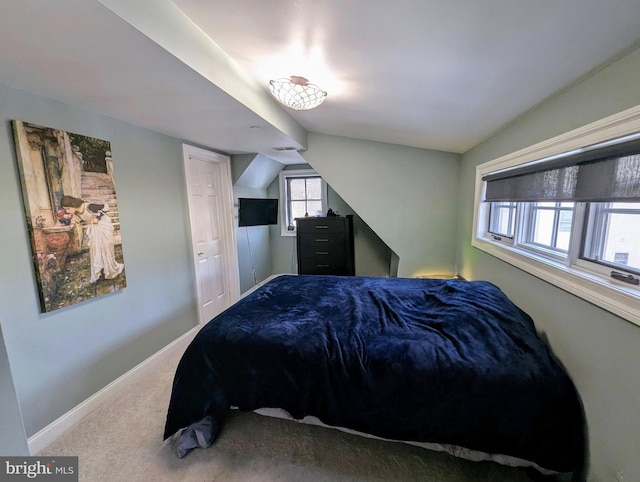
(228, 232)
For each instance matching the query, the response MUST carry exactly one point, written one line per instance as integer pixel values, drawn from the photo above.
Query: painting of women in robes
(72, 214)
(99, 232)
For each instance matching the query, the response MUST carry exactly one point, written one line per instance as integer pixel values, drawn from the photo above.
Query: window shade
(608, 171)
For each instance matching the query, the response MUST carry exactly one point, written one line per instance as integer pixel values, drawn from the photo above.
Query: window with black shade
(572, 218)
(585, 184)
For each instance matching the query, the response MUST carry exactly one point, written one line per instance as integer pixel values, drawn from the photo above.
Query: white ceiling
(422, 73)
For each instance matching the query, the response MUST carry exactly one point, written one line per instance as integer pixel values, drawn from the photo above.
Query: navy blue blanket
(439, 361)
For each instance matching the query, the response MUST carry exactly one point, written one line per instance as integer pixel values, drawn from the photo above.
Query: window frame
(513, 222)
(578, 277)
(527, 229)
(603, 266)
(286, 174)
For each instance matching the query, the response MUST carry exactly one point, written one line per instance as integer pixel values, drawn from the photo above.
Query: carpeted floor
(122, 441)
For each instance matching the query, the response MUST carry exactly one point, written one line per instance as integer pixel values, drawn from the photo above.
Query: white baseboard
(55, 429)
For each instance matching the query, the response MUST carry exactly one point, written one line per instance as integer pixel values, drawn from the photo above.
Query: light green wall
(600, 351)
(13, 440)
(253, 243)
(408, 196)
(372, 255)
(252, 174)
(61, 358)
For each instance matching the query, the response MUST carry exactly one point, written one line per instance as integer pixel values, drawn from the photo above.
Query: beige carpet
(122, 441)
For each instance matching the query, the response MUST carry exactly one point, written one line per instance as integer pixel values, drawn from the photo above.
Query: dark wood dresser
(325, 245)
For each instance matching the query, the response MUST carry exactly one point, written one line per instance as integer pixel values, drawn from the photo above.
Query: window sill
(603, 292)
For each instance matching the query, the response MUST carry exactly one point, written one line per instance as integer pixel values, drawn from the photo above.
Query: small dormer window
(303, 193)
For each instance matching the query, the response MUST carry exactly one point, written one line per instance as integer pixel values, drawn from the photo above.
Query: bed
(446, 363)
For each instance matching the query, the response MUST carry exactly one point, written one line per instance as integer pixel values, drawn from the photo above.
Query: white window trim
(606, 293)
(284, 174)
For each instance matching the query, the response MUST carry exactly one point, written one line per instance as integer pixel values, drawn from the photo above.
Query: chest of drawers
(325, 245)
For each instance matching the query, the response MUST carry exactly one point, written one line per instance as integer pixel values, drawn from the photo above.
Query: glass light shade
(297, 93)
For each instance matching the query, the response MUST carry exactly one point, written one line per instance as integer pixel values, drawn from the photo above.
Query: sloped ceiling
(254, 171)
(422, 73)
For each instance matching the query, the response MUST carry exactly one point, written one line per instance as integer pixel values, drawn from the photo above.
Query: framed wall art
(71, 214)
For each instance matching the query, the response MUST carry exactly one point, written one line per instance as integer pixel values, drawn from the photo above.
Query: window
(304, 197)
(567, 210)
(612, 236)
(548, 226)
(502, 219)
(304, 193)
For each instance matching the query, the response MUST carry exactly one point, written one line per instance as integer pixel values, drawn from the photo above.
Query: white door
(208, 177)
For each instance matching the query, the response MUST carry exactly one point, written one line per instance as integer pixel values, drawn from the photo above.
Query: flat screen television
(257, 212)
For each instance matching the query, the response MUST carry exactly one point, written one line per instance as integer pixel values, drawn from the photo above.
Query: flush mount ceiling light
(297, 93)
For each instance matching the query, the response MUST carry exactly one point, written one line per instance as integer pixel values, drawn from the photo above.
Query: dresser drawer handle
(322, 240)
(322, 265)
(322, 252)
(322, 226)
